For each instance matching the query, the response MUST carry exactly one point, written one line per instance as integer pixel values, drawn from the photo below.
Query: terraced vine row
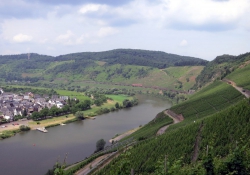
(210, 100)
(220, 131)
(150, 129)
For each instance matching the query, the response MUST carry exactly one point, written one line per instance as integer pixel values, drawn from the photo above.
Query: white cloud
(200, 12)
(92, 8)
(82, 38)
(20, 38)
(186, 14)
(183, 43)
(142, 24)
(45, 40)
(66, 39)
(105, 31)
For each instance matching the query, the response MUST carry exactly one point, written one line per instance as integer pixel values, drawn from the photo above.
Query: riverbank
(10, 129)
(127, 133)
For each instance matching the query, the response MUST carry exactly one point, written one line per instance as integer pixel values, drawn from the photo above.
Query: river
(33, 152)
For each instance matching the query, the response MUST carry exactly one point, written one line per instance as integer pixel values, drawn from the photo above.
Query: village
(23, 105)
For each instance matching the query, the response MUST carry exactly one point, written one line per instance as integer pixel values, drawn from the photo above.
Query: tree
(98, 102)
(79, 115)
(24, 128)
(100, 145)
(44, 112)
(53, 111)
(117, 106)
(65, 108)
(35, 115)
(24, 112)
(127, 103)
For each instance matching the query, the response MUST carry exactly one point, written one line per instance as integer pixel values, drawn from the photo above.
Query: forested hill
(220, 67)
(115, 65)
(155, 59)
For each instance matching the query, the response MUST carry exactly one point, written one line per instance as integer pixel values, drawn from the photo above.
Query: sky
(198, 28)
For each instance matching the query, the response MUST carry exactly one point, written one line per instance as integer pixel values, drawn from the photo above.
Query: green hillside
(184, 76)
(219, 68)
(209, 100)
(217, 115)
(121, 66)
(220, 131)
(149, 130)
(155, 59)
(241, 76)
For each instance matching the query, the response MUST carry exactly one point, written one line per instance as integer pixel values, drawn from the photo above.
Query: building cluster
(12, 104)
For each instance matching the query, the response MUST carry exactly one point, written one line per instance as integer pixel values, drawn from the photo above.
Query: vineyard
(241, 77)
(144, 155)
(221, 131)
(209, 100)
(150, 129)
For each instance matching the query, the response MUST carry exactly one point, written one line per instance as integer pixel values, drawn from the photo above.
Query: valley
(208, 115)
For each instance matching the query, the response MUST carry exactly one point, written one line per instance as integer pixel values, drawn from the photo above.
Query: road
(92, 164)
(118, 138)
(246, 93)
(10, 125)
(175, 117)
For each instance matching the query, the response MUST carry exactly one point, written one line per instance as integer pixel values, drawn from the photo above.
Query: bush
(24, 128)
(100, 145)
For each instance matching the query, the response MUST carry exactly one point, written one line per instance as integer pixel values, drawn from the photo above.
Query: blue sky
(199, 28)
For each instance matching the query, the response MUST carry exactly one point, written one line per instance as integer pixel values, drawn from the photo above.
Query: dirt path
(10, 126)
(246, 93)
(116, 154)
(175, 117)
(100, 162)
(118, 138)
(196, 145)
(162, 70)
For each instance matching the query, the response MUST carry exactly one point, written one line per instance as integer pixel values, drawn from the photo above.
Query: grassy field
(51, 121)
(241, 77)
(109, 104)
(119, 98)
(72, 94)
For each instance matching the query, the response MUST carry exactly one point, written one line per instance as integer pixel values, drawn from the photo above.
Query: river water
(33, 152)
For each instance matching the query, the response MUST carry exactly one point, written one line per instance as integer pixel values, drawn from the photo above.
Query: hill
(214, 135)
(220, 131)
(121, 66)
(137, 57)
(220, 67)
(241, 76)
(217, 116)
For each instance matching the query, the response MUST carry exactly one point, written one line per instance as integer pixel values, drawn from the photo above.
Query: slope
(137, 57)
(211, 99)
(115, 66)
(219, 68)
(241, 76)
(220, 131)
